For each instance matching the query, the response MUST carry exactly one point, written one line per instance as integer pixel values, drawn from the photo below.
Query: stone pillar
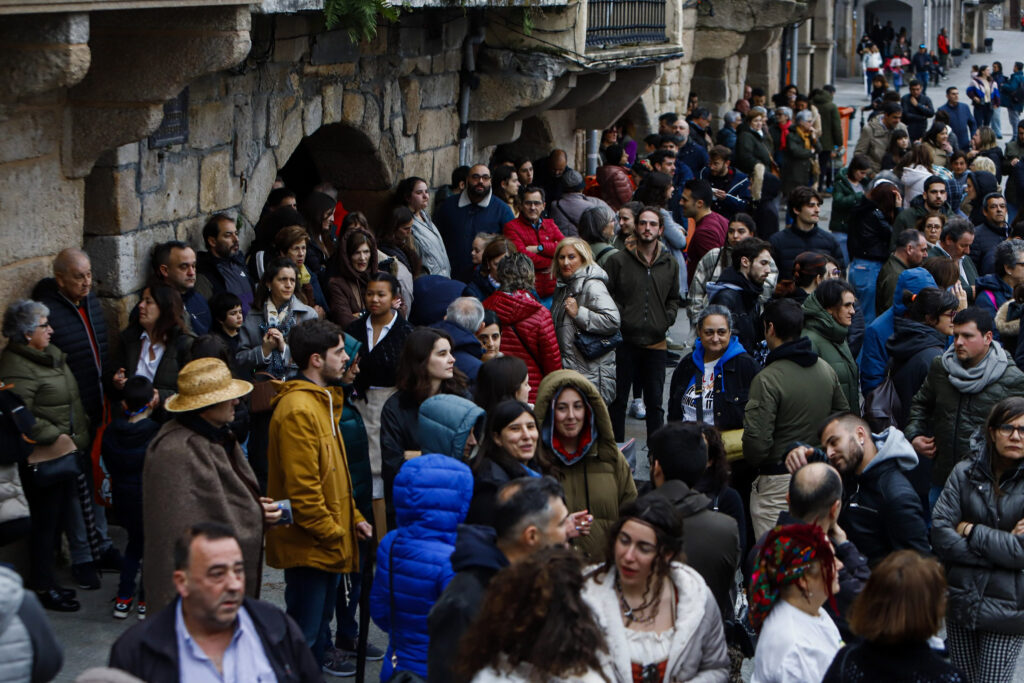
(805, 75)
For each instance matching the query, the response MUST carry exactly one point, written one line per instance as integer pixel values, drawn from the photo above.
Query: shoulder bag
(592, 345)
(882, 404)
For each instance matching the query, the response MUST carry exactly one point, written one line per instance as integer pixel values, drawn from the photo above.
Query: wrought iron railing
(611, 23)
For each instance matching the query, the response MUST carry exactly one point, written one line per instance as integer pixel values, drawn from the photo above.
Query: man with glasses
(804, 234)
(536, 237)
(472, 211)
(961, 387)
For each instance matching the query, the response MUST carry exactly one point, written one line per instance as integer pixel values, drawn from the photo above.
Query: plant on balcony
(358, 17)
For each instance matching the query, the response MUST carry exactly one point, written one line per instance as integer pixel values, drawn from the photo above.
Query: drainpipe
(593, 151)
(474, 37)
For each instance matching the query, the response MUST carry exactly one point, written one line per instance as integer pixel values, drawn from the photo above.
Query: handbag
(396, 675)
(882, 404)
(263, 392)
(593, 346)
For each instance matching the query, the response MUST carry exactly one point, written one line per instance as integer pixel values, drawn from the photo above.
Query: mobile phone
(286, 512)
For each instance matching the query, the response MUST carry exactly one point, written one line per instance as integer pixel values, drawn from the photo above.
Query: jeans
(983, 114)
(767, 500)
(997, 126)
(863, 275)
(923, 77)
(309, 598)
(841, 239)
(1014, 117)
(78, 539)
(345, 609)
(648, 367)
(933, 495)
(131, 519)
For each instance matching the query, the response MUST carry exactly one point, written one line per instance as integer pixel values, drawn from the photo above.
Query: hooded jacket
(986, 586)
(788, 401)
(431, 494)
(742, 297)
(798, 160)
(29, 650)
(951, 409)
(828, 339)
(912, 348)
(527, 332)
(475, 561)
(616, 185)
(357, 444)
(647, 296)
(307, 465)
(831, 124)
(597, 315)
(598, 479)
(873, 356)
(465, 347)
(991, 292)
(711, 541)
(545, 234)
(710, 270)
(882, 512)
(984, 183)
(734, 372)
(844, 199)
(445, 421)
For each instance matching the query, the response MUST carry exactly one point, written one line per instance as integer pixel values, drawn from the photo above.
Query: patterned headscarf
(784, 558)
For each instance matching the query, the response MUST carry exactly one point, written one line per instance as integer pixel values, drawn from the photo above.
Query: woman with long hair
(597, 229)
(583, 306)
(318, 210)
(913, 170)
(987, 146)
(899, 609)
(976, 530)
(753, 143)
(828, 315)
(506, 186)
(395, 241)
(535, 626)
(870, 231)
(485, 275)
(659, 616)
(508, 450)
(810, 269)
(524, 173)
(292, 243)
(795, 574)
(501, 379)
(872, 63)
(414, 194)
(899, 147)
(354, 262)
(625, 237)
(936, 140)
(716, 484)
(983, 92)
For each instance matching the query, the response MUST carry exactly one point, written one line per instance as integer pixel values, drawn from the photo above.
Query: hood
(688, 501)
(984, 182)
(821, 97)
(333, 398)
(352, 346)
(994, 284)
(576, 280)
(432, 294)
(588, 436)
(50, 357)
(734, 349)
(914, 279)
(513, 307)
(431, 496)
(462, 339)
(974, 380)
(445, 423)
(734, 280)
(601, 422)
(799, 351)
(910, 338)
(822, 322)
(892, 445)
(12, 593)
(476, 547)
(913, 174)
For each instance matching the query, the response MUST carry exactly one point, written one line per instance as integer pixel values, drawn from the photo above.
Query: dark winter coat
(742, 297)
(844, 199)
(831, 123)
(912, 348)
(215, 275)
(791, 242)
(869, 232)
(528, 333)
(798, 167)
(736, 186)
(983, 249)
(916, 116)
(828, 339)
(868, 661)
(647, 296)
(459, 220)
(990, 293)
(124, 452)
(71, 337)
(752, 149)
(379, 367)
(734, 372)
(165, 379)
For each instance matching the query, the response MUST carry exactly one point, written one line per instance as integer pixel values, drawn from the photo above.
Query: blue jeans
(841, 239)
(933, 495)
(1014, 117)
(923, 77)
(309, 597)
(863, 275)
(997, 126)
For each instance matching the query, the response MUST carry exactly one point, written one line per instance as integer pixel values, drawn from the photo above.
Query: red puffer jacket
(536, 343)
(524, 235)
(616, 185)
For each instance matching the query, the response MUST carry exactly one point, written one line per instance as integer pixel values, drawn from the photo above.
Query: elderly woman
(38, 372)
(800, 153)
(196, 470)
(584, 313)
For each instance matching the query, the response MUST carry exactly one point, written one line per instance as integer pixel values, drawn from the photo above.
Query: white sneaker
(637, 409)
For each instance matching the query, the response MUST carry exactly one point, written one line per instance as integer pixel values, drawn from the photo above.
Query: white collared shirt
(465, 201)
(370, 343)
(146, 367)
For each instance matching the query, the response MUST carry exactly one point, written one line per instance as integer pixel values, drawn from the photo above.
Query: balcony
(614, 23)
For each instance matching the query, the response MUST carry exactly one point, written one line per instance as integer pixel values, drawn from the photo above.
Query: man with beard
(464, 215)
(740, 287)
(221, 267)
(933, 200)
(882, 512)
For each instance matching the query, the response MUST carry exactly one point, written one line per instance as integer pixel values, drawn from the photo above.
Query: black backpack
(16, 424)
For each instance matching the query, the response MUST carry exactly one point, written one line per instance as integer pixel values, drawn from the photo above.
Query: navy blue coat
(432, 495)
(465, 347)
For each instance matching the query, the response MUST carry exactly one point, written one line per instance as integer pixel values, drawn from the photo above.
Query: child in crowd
(124, 451)
(226, 311)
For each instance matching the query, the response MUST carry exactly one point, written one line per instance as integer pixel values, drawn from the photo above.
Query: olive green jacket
(828, 338)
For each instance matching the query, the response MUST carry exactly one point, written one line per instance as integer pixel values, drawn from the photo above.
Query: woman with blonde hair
(584, 312)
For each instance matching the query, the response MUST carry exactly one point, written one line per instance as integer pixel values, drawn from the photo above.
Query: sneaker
(637, 409)
(141, 610)
(339, 663)
(674, 345)
(373, 653)
(122, 608)
(86, 575)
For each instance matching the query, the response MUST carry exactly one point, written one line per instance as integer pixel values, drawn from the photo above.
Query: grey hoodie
(892, 445)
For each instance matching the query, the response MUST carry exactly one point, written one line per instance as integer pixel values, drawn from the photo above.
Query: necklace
(630, 613)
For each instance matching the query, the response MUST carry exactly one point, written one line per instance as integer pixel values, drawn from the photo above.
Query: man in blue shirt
(464, 215)
(961, 120)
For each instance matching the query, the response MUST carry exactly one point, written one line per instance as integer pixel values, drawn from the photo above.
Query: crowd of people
(422, 421)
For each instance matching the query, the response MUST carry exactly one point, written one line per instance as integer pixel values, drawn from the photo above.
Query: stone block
(30, 133)
(439, 91)
(453, 61)
(275, 120)
(354, 105)
(218, 187)
(423, 66)
(42, 208)
(333, 103)
(258, 187)
(243, 141)
(372, 121)
(210, 124)
(438, 64)
(438, 127)
(120, 263)
(190, 231)
(290, 50)
(178, 197)
(112, 206)
(453, 33)
(410, 89)
(291, 136)
(411, 40)
(206, 89)
(446, 160)
(333, 47)
(392, 101)
(20, 276)
(120, 156)
(312, 115)
(420, 164)
(404, 144)
(151, 169)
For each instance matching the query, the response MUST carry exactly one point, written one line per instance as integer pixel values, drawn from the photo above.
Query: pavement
(88, 634)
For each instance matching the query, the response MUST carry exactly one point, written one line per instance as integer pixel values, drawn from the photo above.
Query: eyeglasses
(477, 176)
(948, 314)
(1009, 430)
(44, 326)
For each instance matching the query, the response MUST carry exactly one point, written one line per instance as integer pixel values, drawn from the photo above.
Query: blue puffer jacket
(873, 356)
(445, 423)
(432, 494)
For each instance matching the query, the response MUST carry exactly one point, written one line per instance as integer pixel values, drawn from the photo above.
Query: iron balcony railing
(611, 23)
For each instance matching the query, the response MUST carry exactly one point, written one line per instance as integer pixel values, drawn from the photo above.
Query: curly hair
(533, 614)
(515, 273)
(656, 512)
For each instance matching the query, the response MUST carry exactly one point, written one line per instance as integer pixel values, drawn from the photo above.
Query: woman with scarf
(800, 152)
(659, 616)
(413, 194)
(983, 92)
(577, 447)
(292, 243)
(263, 353)
(354, 262)
(795, 574)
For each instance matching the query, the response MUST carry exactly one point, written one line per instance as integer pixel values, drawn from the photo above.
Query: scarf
(805, 136)
(283, 320)
(784, 558)
(304, 276)
(222, 436)
(974, 380)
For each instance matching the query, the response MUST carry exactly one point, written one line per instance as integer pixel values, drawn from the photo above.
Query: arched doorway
(901, 14)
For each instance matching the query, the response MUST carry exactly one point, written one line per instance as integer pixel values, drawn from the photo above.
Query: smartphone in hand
(286, 512)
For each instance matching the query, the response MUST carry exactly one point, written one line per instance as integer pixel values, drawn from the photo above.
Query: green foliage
(358, 17)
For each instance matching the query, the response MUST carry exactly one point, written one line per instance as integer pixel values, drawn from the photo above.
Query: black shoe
(672, 358)
(68, 593)
(86, 575)
(373, 653)
(111, 560)
(54, 600)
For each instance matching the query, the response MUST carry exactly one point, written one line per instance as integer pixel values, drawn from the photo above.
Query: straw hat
(203, 383)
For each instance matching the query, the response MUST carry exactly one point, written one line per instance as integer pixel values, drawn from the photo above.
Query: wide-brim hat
(205, 382)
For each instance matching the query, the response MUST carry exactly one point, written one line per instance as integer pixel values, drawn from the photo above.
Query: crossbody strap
(525, 346)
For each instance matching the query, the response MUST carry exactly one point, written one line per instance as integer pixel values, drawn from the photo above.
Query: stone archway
(900, 13)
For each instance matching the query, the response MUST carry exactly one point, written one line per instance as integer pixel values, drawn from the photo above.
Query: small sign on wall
(173, 129)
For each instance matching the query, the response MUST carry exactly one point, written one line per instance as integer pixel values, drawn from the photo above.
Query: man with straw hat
(196, 472)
